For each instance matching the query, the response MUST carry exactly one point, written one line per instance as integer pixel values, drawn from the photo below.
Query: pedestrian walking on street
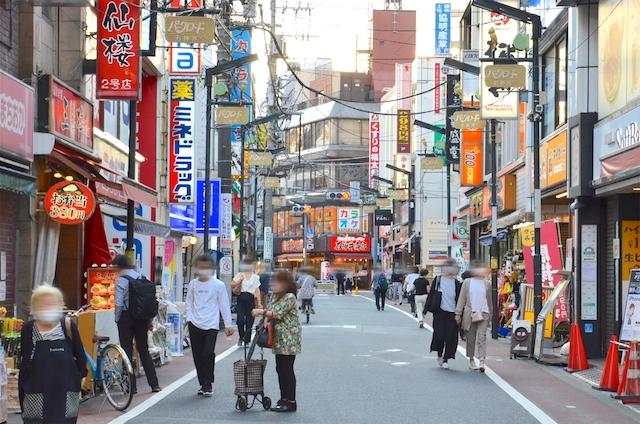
(246, 285)
(207, 299)
(445, 288)
(348, 283)
(265, 281)
(408, 288)
(421, 291)
(130, 287)
(473, 311)
(282, 310)
(380, 285)
(397, 287)
(52, 362)
(341, 276)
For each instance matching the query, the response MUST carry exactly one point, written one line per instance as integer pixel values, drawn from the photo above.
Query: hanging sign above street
(383, 202)
(505, 76)
(431, 163)
(118, 49)
(189, 29)
(468, 120)
(69, 202)
(397, 194)
(232, 115)
(260, 158)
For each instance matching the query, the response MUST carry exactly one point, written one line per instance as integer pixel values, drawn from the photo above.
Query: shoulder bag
(434, 298)
(265, 334)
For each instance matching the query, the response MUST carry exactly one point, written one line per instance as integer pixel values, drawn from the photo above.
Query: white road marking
(348, 327)
(165, 392)
(529, 406)
(399, 364)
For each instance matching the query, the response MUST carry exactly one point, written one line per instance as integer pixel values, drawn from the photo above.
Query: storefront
(614, 238)
(17, 186)
(353, 254)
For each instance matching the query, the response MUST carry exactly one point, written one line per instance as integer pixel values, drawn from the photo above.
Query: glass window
(350, 131)
(554, 70)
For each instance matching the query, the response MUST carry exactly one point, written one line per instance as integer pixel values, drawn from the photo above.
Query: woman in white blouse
(474, 312)
(246, 285)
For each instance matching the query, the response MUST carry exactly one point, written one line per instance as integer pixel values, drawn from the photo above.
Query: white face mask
(205, 273)
(48, 315)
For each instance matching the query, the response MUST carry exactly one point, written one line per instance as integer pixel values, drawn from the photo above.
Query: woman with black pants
(287, 343)
(247, 286)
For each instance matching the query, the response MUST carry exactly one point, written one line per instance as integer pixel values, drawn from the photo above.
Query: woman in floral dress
(287, 343)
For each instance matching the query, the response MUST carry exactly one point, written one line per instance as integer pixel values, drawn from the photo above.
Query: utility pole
(494, 230)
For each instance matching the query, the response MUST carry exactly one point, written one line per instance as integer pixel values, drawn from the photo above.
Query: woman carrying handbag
(474, 312)
(282, 311)
(441, 301)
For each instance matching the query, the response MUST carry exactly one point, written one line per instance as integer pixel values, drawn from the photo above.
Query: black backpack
(143, 304)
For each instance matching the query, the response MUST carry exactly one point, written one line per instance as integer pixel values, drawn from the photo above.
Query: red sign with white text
(69, 202)
(374, 147)
(16, 117)
(551, 261)
(349, 244)
(118, 61)
(70, 115)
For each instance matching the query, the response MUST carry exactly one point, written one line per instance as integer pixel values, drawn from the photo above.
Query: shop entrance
(69, 265)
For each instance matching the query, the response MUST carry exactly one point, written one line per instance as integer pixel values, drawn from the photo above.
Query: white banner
(268, 244)
(226, 217)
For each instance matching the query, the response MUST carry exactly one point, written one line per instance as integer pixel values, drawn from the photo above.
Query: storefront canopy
(17, 182)
(141, 225)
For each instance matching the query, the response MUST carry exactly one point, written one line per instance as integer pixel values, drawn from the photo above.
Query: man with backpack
(380, 285)
(135, 306)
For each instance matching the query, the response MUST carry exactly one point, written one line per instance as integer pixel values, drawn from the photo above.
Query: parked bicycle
(111, 371)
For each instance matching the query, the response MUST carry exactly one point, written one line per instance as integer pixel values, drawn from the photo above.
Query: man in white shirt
(207, 299)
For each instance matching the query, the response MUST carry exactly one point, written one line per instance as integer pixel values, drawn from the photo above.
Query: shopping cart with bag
(249, 377)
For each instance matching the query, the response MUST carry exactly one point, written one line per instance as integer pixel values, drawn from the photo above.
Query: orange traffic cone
(631, 393)
(577, 354)
(623, 379)
(611, 372)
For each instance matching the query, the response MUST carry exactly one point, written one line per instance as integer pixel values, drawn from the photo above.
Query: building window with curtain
(554, 71)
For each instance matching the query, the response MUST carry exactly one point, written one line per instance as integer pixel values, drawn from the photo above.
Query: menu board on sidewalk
(631, 322)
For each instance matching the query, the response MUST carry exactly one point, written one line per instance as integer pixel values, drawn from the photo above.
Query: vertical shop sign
(70, 115)
(471, 174)
(404, 131)
(443, 28)
(185, 58)
(437, 72)
(374, 148)
(226, 217)
(589, 273)
(630, 249)
(349, 220)
(118, 56)
(522, 128)
(551, 261)
(452, 134)
(267, 254)
(497, 33)
(181, 140)
(16, 117)
(239, 91)
(214, 216)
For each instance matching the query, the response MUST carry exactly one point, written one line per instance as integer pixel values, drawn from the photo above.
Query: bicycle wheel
(117, 375)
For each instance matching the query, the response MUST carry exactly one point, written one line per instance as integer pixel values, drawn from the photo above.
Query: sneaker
(482, 365)
(440, 361)
(445, 365)
(200, 392)
(421, 324)
(207, 392)
(155, 389)
(472, 364)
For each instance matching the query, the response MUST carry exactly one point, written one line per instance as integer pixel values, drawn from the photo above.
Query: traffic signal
(338, 195)
(301, 208)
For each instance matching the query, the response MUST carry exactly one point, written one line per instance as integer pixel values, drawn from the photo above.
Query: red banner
(348, 244)
(69, 202)
(471, 174)
(118, 61)
(551, 261)
(70, 115)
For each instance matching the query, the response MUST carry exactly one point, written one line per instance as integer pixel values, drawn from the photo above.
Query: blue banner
(239, 91)
(214, 217)
(443, 28)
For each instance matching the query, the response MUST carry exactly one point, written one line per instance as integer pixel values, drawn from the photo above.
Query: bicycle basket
(248, 376)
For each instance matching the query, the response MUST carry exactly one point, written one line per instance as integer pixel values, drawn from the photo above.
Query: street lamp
(209, 75)
(534, 117)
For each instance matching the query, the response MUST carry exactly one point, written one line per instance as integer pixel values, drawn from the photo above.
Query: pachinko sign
(69, 202)
(182, 168)
(118, 61)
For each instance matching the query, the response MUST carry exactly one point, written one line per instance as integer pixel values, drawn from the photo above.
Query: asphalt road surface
(358, 366)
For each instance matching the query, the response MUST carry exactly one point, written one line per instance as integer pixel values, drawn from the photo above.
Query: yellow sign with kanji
(527, 235)
(404, 131)
(630, 247)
